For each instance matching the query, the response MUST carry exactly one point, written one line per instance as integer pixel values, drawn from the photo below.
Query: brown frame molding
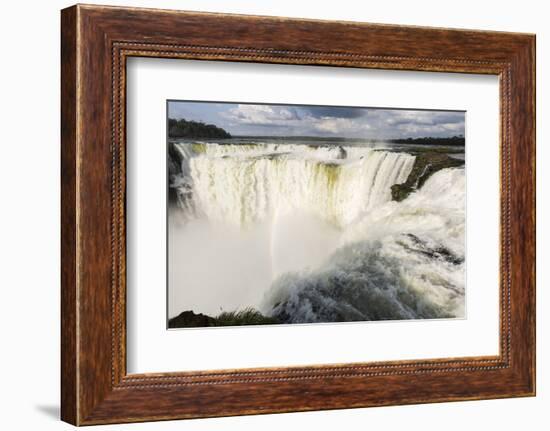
(95, 43)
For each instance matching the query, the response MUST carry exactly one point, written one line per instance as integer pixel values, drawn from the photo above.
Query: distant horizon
(333, 137)
(321, 122)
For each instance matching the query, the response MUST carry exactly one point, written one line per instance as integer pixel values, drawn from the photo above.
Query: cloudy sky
(327, 121)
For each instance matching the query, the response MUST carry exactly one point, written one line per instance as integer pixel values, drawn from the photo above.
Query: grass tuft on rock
(247, 316)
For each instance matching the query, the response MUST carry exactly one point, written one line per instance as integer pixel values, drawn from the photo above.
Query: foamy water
(310, 234)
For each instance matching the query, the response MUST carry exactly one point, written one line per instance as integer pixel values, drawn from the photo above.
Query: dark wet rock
(425, 165)
(342, 153)
(188, 319)
(417, 245)
(174, 160)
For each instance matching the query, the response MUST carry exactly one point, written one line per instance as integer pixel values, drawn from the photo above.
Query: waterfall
(310, 233)
(245, 184)
(404, 260)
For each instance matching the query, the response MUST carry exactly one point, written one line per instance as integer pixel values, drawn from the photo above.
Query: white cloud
(260, 114)
(338, 125)
(327, 121)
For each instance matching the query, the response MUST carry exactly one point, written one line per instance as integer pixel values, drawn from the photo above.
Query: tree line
(194, 129)
(453, 140)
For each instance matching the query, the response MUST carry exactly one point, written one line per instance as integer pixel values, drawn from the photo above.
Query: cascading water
(401, 261)
(309, 233)
(247, 184)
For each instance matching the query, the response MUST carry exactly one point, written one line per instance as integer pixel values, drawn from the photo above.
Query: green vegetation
(199, 148)
(331, 171)
(425, 165)
(194, 130)
(453, 140)
(248, 316)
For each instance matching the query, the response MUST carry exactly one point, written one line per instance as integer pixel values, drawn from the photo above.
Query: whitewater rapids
(310, 233)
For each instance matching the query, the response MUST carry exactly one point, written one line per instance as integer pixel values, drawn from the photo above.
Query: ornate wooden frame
(95, 43)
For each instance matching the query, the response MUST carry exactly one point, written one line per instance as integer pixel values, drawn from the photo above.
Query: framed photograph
(304, 214)
(264, 214)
